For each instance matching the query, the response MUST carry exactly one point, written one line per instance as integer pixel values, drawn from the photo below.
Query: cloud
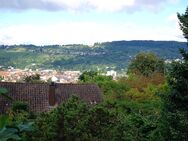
(172, 18)
(30, 4)
(81, 5)
(84, 33)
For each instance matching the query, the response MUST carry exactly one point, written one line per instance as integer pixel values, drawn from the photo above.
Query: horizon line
(25, 44)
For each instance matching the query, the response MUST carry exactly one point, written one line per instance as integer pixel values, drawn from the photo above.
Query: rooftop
(39, 95)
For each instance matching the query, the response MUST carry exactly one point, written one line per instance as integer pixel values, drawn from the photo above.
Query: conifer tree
(183, 22)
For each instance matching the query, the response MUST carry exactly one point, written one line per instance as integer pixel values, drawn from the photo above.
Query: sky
(47, 22)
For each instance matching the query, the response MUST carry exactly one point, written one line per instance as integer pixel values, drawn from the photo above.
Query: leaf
(9, 133)
(26, 127)
(4, 120)
(4, 92)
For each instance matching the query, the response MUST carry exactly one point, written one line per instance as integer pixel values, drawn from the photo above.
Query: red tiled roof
(37, 94)
(3, 73)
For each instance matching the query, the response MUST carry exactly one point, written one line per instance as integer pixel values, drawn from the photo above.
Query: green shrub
(19, 106)
(16, 132)
(74, 120)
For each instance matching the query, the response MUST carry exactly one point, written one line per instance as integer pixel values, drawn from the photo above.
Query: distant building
(16, 75)
(4, 73)
(54, 79)
(112, 73)
(42, 96)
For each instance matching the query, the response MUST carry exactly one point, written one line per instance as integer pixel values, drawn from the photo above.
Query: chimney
(52, 99)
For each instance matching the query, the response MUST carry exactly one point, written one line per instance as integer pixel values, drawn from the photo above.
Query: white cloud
(84, 32)
(174, 1)
(81, 5)
(173, 22)
(172, 18)
(110, 5)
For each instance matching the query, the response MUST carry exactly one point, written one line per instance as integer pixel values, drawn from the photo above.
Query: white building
(112, 73)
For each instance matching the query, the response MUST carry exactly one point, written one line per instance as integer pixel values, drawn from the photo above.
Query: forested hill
(101, 56)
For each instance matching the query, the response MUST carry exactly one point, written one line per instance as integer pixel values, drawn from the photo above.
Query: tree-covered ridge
(114, 55)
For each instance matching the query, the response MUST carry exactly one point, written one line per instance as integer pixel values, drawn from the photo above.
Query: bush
(19, 106)
(74, 120)
(141, 82)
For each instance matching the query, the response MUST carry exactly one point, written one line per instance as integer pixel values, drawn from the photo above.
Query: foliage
(75, 120)
(16, 126)
(140, 82)
(87, 76)
(11, 125)
(111, 88)
(183, 22)
(1, 78)
(19, 106)
(176, 99)
(32, 78)
(176, 102)
(9, 133)
(147, 94)
(136, 104)
(137, 128)
(60, 123)
(4, 120)
(20, 112)
(146, 64)
(4, 93)
(178, 79)
(15, 132)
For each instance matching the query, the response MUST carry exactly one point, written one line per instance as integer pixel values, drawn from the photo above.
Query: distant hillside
(101, 56)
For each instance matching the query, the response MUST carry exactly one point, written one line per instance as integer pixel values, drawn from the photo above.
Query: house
(112, 73)
(42, 97)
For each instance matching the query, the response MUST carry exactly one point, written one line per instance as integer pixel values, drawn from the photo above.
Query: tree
(87, 76)
(183, 22)
(74, 120)
(146, 64)
(176, 108)
(177, 101)
(111, 89)
(32, 78)
(1, 78)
